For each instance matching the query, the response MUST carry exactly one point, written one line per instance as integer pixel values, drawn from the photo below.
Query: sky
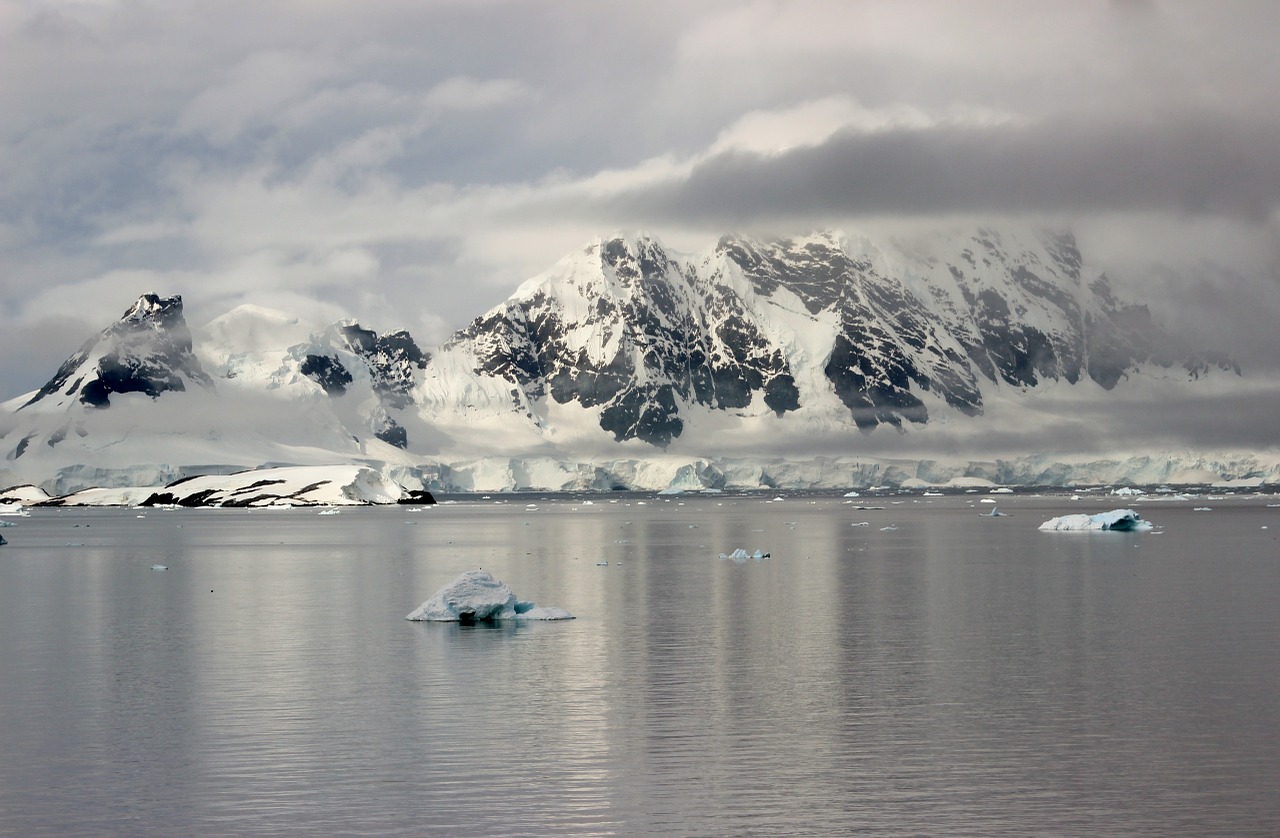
(410, 162)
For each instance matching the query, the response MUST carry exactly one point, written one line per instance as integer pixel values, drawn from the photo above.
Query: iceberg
(476, 596)
(741, 555)
(2, 541)
(1117, 519)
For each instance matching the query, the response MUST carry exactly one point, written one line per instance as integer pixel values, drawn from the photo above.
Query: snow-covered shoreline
(378, 483)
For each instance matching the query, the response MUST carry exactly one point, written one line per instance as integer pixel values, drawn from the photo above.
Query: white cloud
(465, 93)
(254, 90)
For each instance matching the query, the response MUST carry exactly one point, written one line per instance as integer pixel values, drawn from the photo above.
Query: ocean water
(957, 675)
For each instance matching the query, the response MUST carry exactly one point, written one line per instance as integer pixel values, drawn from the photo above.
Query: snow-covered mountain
(623, 352)
(646, 338)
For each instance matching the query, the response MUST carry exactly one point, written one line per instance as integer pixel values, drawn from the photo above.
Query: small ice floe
(987, 500)
(159, 567)
(14, 509)
(476, 596)
(7, 524)
(741, 555)
(1124, 520)
(602, 564)
(852, 495)
(994, 513)
(1203, 509)
(890, 528)
(330, 511)
(2, 541)
(861, 524)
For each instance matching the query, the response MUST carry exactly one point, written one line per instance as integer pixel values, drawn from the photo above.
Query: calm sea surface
(959, 675)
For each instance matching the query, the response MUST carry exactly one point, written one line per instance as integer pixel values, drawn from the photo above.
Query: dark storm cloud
(1194, 164)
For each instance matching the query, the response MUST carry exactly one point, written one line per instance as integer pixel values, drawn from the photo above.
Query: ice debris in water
(994, 513)
(1117, 519)
(741, 555)
(476, 596)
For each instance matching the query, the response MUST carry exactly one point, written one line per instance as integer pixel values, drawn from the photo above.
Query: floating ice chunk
(159, 567)
(1116, 519)
(7, 524)
(861, 524)
(890, 528)
(476, 596)
(852, 495)
(1203, 509)
(602, 564)
(994, 513)
(2, 540)
(741, 555)
(329, 511)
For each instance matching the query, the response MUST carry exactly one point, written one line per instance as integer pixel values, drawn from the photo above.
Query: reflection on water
(957, 674)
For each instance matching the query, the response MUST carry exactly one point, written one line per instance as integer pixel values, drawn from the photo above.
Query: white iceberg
(1117, 519)
(476, 596)
(741, 555)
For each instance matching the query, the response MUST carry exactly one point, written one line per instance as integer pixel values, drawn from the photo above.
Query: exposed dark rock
(328, 372)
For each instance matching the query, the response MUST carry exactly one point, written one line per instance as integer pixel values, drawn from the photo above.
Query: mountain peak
(148, 350)
(156, 310)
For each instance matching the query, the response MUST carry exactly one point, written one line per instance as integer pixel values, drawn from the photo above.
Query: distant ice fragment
(741, 555)
(476, 596)
(994, 513)
(1117, 519)
(159, 567)
(2, 540)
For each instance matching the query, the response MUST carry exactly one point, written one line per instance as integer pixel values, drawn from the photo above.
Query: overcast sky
(410, 162)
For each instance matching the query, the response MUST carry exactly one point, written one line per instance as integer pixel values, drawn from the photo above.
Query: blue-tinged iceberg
(476, 596)
(1117, 519)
